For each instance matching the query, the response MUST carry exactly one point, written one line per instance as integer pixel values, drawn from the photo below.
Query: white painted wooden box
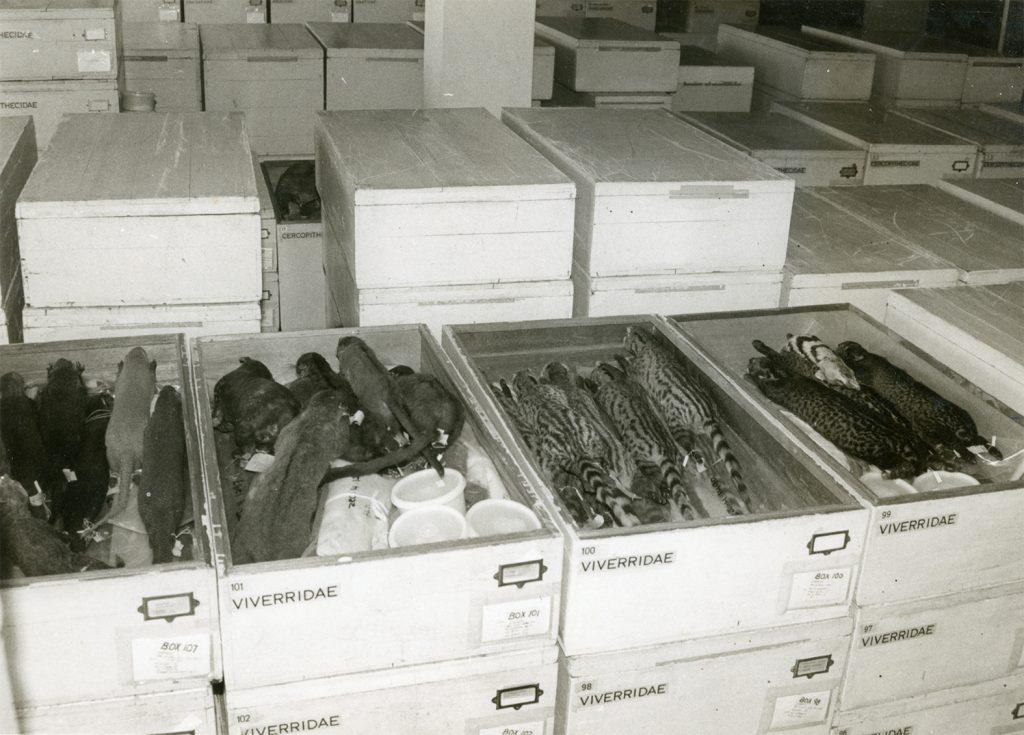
(46, 324)
(164, 58)
(1000, 141)
(435, 306)
(150, 11)
(441, 197)
(900, 151)
(985, 247)
(268, 219)
(675, 293)
(191, 711)
(992, 78)
(804, 66)
(543, 69)
(706, 83)
(270, 305)
(17, 157)
(133, 210)
(779, 680)
(674, 581)
(910, 68)
(976, 330)
(800, 152)
(225, 11)
(274, 73)
(656, 195)
(310, 11)
(372, 66)
(606, 55)
(993, 708)
(640, 13)
(500, 694)
(706, 41)
(836, 257)
(58, 39)
(565, 97)
(48, 102)
(705, 16)
(919, 544)
(561, 8)
(387, 11)
(112, 623)
(439, 602)
(1004, 197)
(906, 649)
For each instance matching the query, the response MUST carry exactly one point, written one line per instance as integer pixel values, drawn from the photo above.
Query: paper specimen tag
(69, 475)
(519, 728)
(174, 657)
(259, 462)
(820, 588)
(518, 619)
(254, 14)
(93, 60)
(800, 709)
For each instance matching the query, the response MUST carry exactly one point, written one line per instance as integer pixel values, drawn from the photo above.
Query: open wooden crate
(97, 635)
(979, 545)
(390, 607)
(671, 581)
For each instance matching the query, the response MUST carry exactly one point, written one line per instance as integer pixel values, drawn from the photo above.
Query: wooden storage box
(387, 11)
(191, 711)
(435, 306)
(806, 67)
(907, 649)
(982, 709)
(372, 66)
(606, 55)
(57, 39)
(706, 83)
(910, 68)
(975, 330)
(48, 102)
(543, 70)
(163, 58)
(153, 209)
(274, 73)
(836, 257)
(676, 581)
(439, 602)
(900, 151)
(310, 11)
(992, 78)
(1004, 197)
(780, 680)
(705, 16)
(565, 97)
(805, 154)
(270, 305)
(1000, 141)
(640, 13)
(45, 324)
(655, 195)
(17, 157)
(705, 41)
(96, 635)
(660, 294)
(268, 219)
(1009, 110)
(898, 564)
(502, 694)
(441, 197)
(985, 247)
(225, 11)
(149, 11)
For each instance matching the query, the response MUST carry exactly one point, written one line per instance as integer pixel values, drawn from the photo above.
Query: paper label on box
(169, 13)
(800, 709)
(173, 657)
(820, 588)
(254, 14)
(93, 60)
(518, 619)
(519, 728)
(340, 16)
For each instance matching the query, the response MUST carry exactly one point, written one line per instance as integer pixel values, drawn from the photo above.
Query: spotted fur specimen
(830, 368)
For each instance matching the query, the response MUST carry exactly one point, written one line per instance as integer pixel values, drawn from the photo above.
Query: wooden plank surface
(339, 36)
(1007, 195)
(117, 165)
(240, 40)
(974, 125)
(769, 132)
(874, 125)
(901, 42)
(615, 146)
(177, 40)
(799, 43)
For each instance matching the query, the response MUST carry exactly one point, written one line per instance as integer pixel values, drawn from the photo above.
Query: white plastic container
(432, 524)
(942, 480)
(494, 517)
(425, 488)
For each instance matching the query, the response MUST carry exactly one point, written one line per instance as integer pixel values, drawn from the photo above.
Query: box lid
(240, 40)
(174, 40)
(1001, 195)
(599, 31)
(767, 132)
(138, 165)
(341, 39)
(606, 146)
(679, 282)
(386, 155)
(56, 9)
(976, 126)
(900, 43)
(797, 43)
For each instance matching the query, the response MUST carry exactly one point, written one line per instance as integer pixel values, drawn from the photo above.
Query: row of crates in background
(273, 11)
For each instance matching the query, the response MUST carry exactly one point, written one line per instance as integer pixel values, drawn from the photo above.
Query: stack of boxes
(696, 22)
(225, 11)
(150, 11)
(310, 11)
(58, 58)
(17, 157)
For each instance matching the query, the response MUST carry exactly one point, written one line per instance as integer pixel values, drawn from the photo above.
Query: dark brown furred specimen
(255, 407)
(61, 423)
(165, 483)
(88, 493)
(296, 194)
(19, 431)
(228, 389)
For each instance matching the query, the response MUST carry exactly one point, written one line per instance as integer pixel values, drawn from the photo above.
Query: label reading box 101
(507, 621)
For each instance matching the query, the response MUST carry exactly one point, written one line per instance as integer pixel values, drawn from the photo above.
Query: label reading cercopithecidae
(310, 724)
(272, 599)
(917, 524)
(586, 697)
(870, 639)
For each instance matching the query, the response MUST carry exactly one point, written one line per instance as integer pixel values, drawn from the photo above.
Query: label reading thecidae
(796, 710)
(507, 621)
(820, 588)
(171, 657)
